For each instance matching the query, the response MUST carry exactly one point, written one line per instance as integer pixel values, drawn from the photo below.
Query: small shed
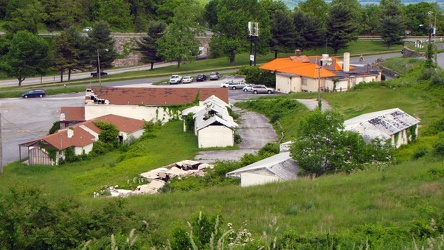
(280, 167)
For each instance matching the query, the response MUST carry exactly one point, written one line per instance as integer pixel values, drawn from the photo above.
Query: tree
(283, 33)
(65, 53)
(324, 146)
(210, 13)
(116, 13)
(369, 19)
(310, 31)
(101, 46)
(22, 15)
(231, 32)
(179, 41)
(316, 7)
(82, 47)
(392, 24)
(109, 134)
(28, 55)
(417, 20)
(148, 45)
(341, 26)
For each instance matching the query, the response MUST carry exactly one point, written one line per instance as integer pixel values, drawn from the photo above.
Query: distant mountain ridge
(293, 3)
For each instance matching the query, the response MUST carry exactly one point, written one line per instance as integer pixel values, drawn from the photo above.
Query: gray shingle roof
(382, 124)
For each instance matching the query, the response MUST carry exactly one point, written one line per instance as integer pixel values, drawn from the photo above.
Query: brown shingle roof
(123, 124)
(158, 96)
(73, 113)
(82, 137)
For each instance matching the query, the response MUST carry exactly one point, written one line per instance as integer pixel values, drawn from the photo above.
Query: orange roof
(303, 66)
(158, 96)
(286, 65)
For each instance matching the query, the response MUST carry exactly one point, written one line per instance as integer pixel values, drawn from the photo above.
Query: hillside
(391, 206)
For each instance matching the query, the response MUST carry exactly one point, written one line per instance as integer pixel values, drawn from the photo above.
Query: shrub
(438, 147)
(420, 152)
(55, 127)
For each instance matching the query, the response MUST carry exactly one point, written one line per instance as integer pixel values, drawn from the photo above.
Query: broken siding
(386, 124)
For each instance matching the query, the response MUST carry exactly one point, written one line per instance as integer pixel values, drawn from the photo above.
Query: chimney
(298, 52)
(70, 132)
(346, 67)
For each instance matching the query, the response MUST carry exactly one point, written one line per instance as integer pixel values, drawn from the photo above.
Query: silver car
(261, 89)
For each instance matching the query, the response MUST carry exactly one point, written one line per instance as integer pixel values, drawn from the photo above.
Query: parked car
(187, 79)
(102, 73)
(248, 87)
(214, 76)
(87, 29)
(34, 93)
(233, 85)
(175, 79)
(201, 78)
(261, 89)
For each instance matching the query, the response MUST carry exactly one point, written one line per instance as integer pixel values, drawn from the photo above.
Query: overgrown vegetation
(379, 207)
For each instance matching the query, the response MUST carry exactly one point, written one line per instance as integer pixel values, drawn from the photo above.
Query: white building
(213, 125)
(394, 124)
(280, 167)
(301, 73)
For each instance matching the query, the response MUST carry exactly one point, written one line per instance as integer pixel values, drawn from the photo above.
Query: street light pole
(430, 34)
(319, 87)
(98, 68)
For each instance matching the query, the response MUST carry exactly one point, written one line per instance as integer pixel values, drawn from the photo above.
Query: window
(304, 81)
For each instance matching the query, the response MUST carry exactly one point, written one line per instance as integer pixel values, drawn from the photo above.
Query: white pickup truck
(233, 85)
(175, 79)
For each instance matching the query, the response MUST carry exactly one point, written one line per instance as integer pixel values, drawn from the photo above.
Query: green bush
(420, 152)
(438, 146)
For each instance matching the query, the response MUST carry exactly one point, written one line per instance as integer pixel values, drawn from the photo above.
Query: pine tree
(148, 44)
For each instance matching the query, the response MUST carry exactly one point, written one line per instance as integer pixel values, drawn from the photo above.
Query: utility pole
(430, 35)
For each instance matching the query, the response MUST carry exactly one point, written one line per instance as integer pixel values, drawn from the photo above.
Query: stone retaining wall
(406, 52)
(124, 43)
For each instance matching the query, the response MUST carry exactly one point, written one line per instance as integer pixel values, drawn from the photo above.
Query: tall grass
(115, 168)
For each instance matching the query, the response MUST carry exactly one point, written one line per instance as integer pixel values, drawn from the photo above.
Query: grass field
(382, 204)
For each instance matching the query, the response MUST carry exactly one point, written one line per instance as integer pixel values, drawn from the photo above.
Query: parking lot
(27, 119)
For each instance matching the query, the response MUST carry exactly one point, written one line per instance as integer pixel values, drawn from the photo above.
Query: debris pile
(157, 178)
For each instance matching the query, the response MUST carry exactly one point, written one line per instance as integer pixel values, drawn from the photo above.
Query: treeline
(134, 15)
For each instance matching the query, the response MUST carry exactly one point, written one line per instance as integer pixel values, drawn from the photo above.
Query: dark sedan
(102, 73)
(201, 78)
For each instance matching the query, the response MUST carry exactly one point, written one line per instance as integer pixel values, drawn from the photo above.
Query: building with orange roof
(302, 73)
(80, 137)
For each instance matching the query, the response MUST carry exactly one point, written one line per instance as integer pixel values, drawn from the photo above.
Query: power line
(19, 128)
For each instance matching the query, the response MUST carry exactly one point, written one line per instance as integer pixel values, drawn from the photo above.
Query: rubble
(158, 177)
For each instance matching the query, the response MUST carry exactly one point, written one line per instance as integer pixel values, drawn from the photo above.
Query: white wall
(87, 149)
(251, 179)
(215, 136)
(131, 111)
(286, 84)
